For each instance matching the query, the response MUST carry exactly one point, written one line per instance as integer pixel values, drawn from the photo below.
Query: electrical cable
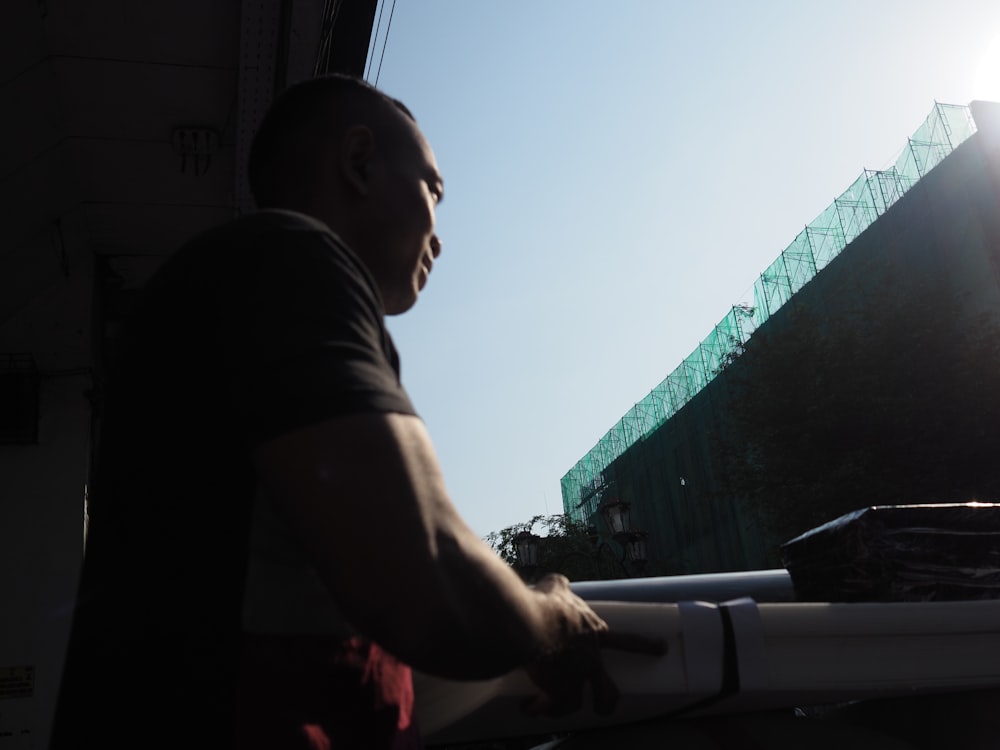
(385, 41)
(331, 10)
(371, 52)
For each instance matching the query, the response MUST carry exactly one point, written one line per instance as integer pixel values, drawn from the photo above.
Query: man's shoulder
(267, 253)
(286, 220)
(261, 239)
(259, 227)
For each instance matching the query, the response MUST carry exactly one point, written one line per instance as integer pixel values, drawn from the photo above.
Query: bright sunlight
(987, 83)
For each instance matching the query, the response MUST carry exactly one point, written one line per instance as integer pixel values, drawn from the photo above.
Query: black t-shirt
(251, 330)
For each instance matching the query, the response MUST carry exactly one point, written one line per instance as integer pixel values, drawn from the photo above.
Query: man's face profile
(405, 187)
(355, 159)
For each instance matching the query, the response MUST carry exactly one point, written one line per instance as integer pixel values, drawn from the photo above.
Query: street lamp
(526, 547)
(616, 516)
(635, 548)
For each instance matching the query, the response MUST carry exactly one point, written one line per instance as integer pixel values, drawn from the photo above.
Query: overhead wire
(331, 11)
(371, 51)
(385, 40)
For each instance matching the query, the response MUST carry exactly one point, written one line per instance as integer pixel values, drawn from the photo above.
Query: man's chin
(400, 306)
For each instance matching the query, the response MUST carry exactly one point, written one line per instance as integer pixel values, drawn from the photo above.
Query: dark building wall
(907, 310)
(673, 480)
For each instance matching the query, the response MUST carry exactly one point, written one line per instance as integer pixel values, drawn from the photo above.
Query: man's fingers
(633, 642)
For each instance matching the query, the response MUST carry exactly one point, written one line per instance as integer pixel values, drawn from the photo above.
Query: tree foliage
(565, 546)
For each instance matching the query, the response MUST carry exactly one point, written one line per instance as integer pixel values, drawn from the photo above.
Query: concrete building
(901, 272)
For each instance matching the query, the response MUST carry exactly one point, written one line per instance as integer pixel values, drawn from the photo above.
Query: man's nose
(435, 246)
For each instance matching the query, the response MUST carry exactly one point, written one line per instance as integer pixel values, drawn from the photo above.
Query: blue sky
(618, 175)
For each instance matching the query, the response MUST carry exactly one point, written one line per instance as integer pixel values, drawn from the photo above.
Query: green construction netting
(810, 252)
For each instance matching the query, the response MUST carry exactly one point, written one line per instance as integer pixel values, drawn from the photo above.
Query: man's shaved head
(342, 152)
(285, 165)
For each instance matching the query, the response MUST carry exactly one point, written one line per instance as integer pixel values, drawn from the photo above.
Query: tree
(569, 547)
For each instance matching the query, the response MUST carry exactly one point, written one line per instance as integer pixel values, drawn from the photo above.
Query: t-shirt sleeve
(302, 337)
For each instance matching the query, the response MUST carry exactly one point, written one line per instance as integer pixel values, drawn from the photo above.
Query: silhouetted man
(271, 541)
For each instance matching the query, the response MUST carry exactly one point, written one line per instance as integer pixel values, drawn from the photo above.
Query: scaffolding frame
(812, 250)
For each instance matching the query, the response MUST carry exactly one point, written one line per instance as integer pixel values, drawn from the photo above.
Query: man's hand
(575, 658)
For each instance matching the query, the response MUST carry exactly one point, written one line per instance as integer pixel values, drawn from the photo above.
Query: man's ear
(356, 154)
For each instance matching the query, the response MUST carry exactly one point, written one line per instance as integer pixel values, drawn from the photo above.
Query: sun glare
(987, 83)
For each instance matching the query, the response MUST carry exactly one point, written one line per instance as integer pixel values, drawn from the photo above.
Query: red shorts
(320, 693)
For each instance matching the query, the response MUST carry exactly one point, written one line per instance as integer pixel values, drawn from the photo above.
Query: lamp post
(526, 551)
(617, 517)
(635, 548)
(530, 558)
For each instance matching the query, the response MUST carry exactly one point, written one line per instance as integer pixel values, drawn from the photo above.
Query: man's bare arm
(366, 496)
